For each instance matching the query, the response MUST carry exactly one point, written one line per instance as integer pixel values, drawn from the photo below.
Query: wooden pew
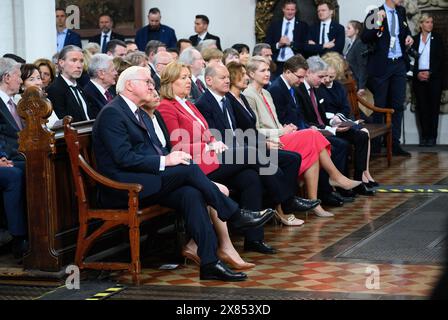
(52, 206)
(375, 130)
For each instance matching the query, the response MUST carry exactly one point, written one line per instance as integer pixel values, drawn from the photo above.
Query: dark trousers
(339, 151)
(428, 95)
(188, 190)
(12, 186)
(360, 141)
(389, 91)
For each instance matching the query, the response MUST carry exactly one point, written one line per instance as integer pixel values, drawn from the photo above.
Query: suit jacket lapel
(5, 111)
(129, 113)
(217, 109)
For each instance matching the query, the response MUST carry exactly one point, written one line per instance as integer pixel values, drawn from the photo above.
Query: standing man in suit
(128, 149)
(155, 31)
(428, 79)
(327, 35)
(389, 36)
(193, 58)
(106, 25)
(287, 37)
(102, 74)
(201, 28)
(65, 36)
(12, 163)
(64, 93)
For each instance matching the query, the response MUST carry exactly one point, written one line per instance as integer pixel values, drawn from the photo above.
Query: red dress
(309, 143)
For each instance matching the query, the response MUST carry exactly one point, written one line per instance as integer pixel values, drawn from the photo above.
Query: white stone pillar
(39, 29)
(7, 25)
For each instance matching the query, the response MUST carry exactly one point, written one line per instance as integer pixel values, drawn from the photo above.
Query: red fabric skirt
(309, 143)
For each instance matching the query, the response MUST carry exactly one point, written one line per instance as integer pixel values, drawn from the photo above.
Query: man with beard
(155, 31)
(106, 24)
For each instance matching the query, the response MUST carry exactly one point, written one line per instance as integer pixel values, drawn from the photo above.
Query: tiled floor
(304, 265)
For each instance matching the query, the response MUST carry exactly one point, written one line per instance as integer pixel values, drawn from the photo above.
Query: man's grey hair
(66, 50)
(211, 70)
(259, 47)
(316, 64)
(206, 44)
(187, 56)
(99, 62)
(7, 66)
(160, 55)
(131, 73)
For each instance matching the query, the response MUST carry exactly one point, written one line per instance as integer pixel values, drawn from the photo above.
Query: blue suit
(387, 77)
(336, 32)
(72, 38)
(166, 35)
(288, 110)
(125, 152)
(95, 98)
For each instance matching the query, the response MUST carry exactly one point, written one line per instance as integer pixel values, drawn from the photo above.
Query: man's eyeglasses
(148, 82)
(299, 77)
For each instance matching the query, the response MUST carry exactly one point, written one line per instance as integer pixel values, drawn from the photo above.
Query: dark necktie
(104, 47)
(200, 86)
(79, 100)
(149, 125)
(393, 31)
(316, 107)
(283, 51)
(323, 34)
(15, 114)
(226, 112)
(293, 95)
(109, 96)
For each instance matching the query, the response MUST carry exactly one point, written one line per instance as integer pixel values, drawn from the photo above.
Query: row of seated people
(70, 69)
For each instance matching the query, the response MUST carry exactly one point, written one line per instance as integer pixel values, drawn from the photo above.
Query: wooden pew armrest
(133, 188)
(370, 106)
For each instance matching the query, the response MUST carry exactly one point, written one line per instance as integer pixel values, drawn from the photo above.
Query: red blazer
(188, 135)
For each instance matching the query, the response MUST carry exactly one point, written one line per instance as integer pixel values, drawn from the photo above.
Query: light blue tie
(283, 51)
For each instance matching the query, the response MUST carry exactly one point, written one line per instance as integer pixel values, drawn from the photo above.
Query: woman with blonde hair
(310, 143)
(429, 53)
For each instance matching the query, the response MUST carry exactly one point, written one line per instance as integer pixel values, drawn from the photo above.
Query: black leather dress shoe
(247, 219)
(343, 198)
(220, 271)
(363, 190)
(372, 184)
(19, 247)
(330, 199)
(398, 151)
(259, 246)
(297, 204)
(346, 193)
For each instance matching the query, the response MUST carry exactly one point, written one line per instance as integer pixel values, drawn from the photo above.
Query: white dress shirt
(424, 52)
(219, 99)
(184, 104)
(109, 35)
(326, 32)
(134, 110)
(288, 51)
(74, 84)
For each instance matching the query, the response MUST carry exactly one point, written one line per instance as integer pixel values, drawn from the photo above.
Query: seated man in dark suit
(161, 60)
(288, 36)
(102, 77)
(152, 48)
(64, 93)
(315, 114)
(155, 31)
(117, 48)
(128, 149)
(201, 28)
(327, 35)
(106, 24)
(282, 184)
(65, 36)
(12, 163)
